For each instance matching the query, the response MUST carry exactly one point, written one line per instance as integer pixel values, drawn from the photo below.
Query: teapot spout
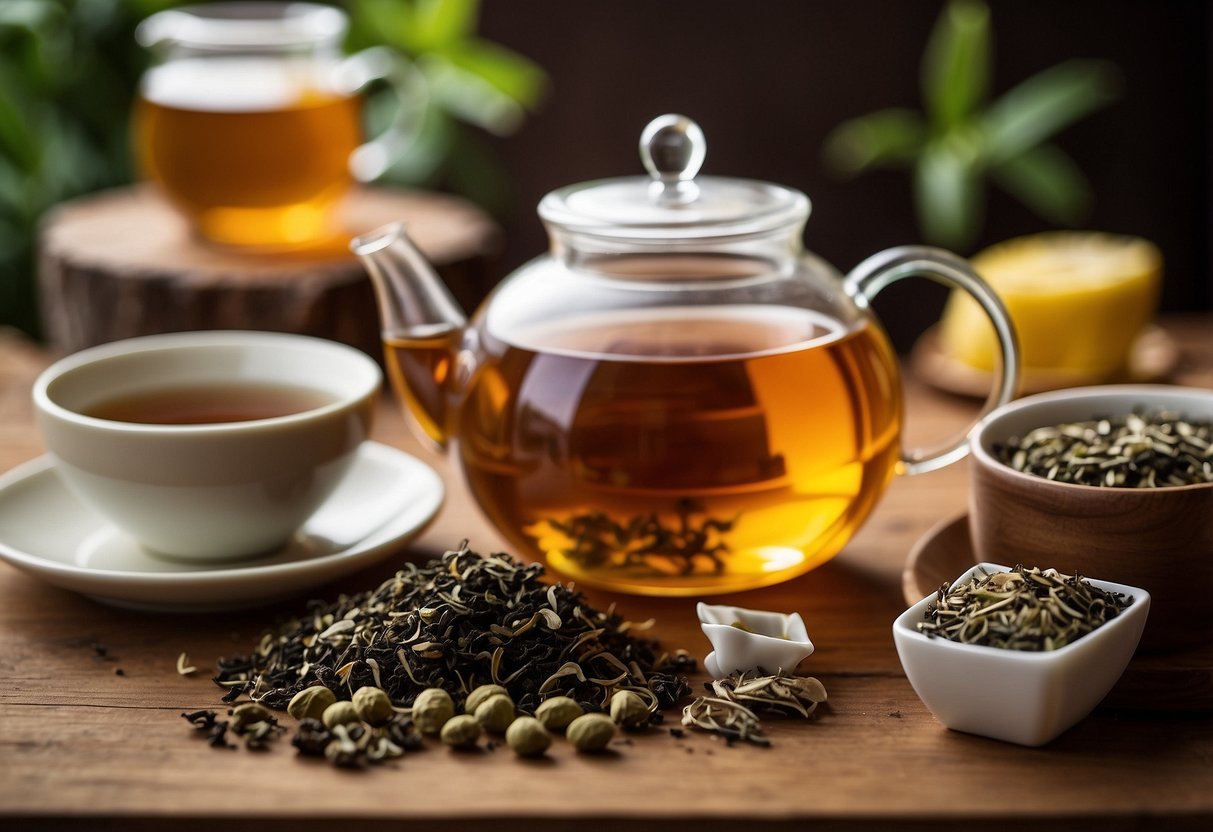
(412, 298)
(421, 325)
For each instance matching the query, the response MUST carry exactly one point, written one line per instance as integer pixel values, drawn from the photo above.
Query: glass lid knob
(672, 148)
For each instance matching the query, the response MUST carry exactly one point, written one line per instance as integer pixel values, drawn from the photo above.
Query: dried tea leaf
(184, 667)
(731, 710)
(1024, 609)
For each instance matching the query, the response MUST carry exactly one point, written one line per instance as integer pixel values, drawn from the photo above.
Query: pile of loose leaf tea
(731, 707)
(456, 623)
(1141, 450)
(1024, 609)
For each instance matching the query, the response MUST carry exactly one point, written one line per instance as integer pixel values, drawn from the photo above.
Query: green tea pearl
(527, 737)
(591, 732)
(481, 695)
(431, 710)
(310, 703)
(461, 731)
(556, 713)
(340, 713)
(495, 713)
(374, 706)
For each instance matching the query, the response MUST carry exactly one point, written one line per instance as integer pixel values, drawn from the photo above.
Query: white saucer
(387, 498)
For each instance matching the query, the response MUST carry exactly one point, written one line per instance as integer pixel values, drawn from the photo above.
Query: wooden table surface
(83, 747)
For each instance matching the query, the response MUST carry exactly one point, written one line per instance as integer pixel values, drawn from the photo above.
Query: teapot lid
(671, 203)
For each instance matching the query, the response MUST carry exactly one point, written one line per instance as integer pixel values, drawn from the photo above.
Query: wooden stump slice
(123, 263)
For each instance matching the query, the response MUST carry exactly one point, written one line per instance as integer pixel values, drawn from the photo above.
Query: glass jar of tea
(248, 120)
(677, 399)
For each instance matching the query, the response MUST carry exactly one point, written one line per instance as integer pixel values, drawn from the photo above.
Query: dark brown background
(768, 79)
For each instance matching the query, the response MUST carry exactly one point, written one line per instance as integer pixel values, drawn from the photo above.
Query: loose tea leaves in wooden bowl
(1139, 450)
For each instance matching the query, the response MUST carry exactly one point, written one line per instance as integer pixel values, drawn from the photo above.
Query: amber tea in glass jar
(249, 119)
(267, 165)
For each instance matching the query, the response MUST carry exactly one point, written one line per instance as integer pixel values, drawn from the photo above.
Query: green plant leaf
(389, 22)
(142, 8)
(955, 73)
(949, 193)
(31, 15)
(885, 138)
(35, 42)
(423, 158)
(1047, 181)
(12, 191)
(12, 236)
(475, 172)
(18, 139)
(1045, 103)
(468, 97)
(440, 23)
(475, 80)
(71, 160)
(518, 77)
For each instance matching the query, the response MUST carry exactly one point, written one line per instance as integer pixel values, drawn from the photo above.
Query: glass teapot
(677, 399)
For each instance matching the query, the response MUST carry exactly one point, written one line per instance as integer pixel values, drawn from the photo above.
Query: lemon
(1077, 300)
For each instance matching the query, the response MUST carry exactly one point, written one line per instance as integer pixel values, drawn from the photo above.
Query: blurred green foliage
(69, 70)
(468, 82)
(963, 140)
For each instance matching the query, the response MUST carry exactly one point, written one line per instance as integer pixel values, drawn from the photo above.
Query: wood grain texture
(122, 263)
(82, 747)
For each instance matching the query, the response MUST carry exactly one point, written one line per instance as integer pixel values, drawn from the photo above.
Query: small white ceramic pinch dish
(1018, 696)
(749, 640)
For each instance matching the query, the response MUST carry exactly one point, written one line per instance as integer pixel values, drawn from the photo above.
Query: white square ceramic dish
(1022, 697)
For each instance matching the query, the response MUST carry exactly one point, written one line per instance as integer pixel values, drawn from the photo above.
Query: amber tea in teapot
(707, 447)
(678, 400)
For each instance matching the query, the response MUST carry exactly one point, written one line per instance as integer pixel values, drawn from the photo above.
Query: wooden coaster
(1153, 357)
(123, 263)
(1180, 681)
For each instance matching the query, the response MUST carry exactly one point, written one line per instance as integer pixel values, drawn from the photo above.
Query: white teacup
(136, 432)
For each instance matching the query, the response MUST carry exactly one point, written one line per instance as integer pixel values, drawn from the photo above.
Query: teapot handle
(894, 264)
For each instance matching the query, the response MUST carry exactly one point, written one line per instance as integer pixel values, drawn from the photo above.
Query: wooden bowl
(1160, 539)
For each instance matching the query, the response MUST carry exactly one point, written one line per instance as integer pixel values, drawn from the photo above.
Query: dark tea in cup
(209, 404)
(207, 446)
